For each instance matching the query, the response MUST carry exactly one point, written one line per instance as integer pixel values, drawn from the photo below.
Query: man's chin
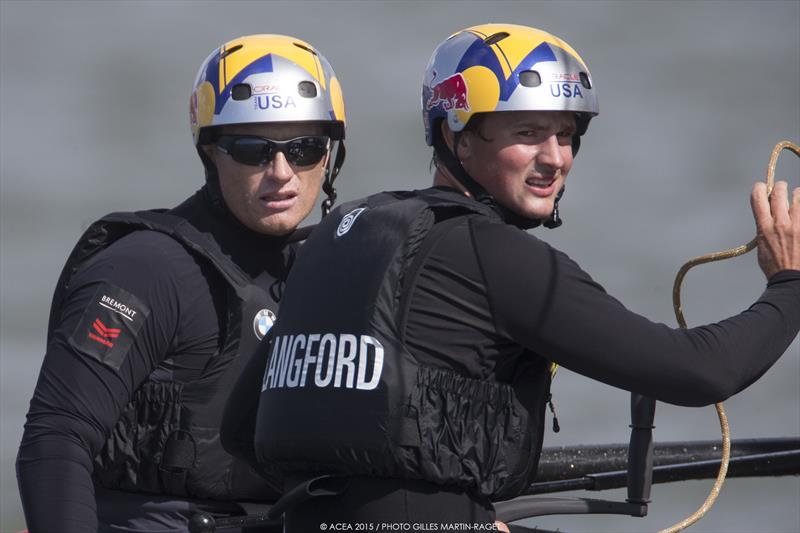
(538, 211)
(277, 230)
(279, 224)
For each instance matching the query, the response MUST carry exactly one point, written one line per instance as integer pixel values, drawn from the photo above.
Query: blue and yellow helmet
(504, 67)
(265, 78)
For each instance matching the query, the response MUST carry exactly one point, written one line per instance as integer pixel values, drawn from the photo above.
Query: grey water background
(693, 95)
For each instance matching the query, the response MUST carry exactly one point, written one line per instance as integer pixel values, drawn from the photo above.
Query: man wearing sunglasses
(155, 311)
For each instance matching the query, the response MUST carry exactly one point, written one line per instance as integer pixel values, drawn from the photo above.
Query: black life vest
(348, 396)
(167, 439)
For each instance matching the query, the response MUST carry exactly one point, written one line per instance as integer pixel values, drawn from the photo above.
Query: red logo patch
(103, 333)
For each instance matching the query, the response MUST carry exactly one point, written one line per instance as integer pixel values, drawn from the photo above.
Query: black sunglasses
(258, 151)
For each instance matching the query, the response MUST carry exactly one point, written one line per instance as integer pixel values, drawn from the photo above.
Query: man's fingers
(760, 205)
(794, 210)
(501, 526)
(779, 203)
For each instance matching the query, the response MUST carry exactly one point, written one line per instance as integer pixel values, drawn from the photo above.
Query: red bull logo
(451, 93)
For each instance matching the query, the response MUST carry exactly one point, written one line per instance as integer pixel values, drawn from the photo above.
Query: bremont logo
(118, 307)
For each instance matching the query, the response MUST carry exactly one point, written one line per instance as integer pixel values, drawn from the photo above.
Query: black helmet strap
(212, 184)
(331, 171)
(451, 162)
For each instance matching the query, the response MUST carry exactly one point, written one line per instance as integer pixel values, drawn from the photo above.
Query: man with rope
(410, 374)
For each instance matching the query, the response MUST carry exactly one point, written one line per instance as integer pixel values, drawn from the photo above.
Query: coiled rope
(676, 304)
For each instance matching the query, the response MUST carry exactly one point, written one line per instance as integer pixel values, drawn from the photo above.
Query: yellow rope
(676, 304)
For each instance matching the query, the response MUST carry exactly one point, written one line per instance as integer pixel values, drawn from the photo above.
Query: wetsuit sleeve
(545, 302)
(119, 318)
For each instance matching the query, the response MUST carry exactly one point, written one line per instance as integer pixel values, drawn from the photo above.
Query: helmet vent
(230, 50)
(307, 89)
(306, 48)
(496, 37)
(585, 80)
(530, 78)
(241, 91)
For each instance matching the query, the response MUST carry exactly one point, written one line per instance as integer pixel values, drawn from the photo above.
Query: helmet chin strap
(477, 191)
(555, 220)
(331, 171)
(453, 165)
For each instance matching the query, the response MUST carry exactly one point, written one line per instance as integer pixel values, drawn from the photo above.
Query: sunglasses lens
(306, 150)
(252, 151)
(257, 151)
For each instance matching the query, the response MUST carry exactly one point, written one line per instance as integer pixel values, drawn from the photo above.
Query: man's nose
(550, 153)
(279, 168)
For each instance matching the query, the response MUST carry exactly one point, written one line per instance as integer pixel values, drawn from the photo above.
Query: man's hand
(501, 526)
(778, 227)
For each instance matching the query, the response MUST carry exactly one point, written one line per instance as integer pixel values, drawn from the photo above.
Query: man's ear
(464, 146)
(208, 149)
(447, 134)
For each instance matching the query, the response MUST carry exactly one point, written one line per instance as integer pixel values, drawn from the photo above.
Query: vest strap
(179, 456)
(439, 230)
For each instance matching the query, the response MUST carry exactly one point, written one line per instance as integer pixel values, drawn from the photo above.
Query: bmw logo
(263, 322)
